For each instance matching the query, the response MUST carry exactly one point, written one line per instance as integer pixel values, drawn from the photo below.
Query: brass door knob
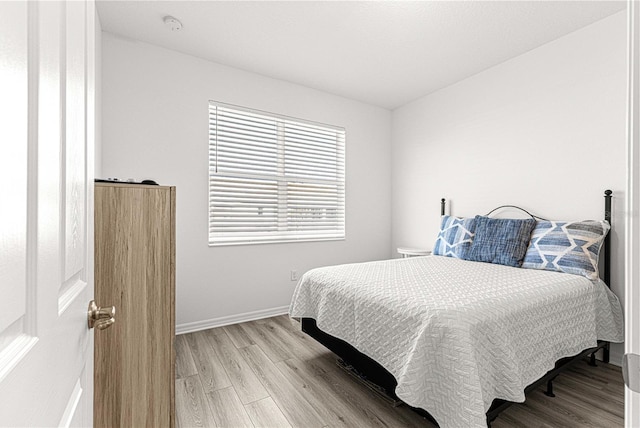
(100, 318)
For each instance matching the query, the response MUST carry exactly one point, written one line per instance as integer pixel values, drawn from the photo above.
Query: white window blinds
(273, 178)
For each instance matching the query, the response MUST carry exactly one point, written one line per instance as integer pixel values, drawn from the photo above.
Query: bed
(459, 339)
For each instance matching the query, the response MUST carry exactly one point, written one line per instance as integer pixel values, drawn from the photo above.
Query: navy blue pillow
(502, 241)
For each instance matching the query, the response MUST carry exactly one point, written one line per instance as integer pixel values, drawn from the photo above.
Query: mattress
(457, 334)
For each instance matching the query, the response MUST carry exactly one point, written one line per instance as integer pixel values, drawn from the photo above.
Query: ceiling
(385, 53)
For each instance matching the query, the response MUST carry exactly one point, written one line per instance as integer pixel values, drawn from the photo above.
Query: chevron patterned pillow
(570, 247)
(455, 237)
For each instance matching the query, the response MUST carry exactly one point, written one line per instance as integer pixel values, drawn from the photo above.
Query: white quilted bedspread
(458, 334)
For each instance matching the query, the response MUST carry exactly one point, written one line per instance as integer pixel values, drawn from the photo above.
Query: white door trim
(632, 241)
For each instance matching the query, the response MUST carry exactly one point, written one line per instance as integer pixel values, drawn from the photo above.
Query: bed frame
(373, 374)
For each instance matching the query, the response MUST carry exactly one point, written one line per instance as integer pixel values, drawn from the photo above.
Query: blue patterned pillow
(500, 240)
(570, 247)
(455, 237)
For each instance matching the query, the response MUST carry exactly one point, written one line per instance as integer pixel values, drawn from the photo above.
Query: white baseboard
(190, 327)
(615, 356)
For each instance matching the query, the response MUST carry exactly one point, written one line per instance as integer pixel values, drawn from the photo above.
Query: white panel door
(46, 217)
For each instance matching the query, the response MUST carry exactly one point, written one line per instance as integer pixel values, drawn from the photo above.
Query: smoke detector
(172, 23)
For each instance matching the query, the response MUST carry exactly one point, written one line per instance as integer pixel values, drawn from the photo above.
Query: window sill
(273, 241)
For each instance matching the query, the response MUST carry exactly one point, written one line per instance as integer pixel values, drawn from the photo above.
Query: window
(273, 178)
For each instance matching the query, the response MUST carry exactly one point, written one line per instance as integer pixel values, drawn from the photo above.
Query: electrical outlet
(294, 275)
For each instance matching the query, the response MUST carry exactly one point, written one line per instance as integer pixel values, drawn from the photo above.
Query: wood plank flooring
(268, 373)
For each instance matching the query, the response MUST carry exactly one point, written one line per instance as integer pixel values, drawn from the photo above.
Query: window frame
(284, 234)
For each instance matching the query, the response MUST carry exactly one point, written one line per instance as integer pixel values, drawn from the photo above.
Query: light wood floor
(268, 373)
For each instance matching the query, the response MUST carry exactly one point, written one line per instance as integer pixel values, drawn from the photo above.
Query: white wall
(98, 95)
(155, 125)
(545, 131)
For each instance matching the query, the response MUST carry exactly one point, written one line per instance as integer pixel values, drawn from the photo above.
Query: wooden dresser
(135, 272)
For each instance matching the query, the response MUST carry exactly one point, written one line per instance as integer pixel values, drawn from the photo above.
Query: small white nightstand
(412, 252)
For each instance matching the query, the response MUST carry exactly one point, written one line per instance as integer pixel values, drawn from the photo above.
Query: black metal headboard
(606, 274)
